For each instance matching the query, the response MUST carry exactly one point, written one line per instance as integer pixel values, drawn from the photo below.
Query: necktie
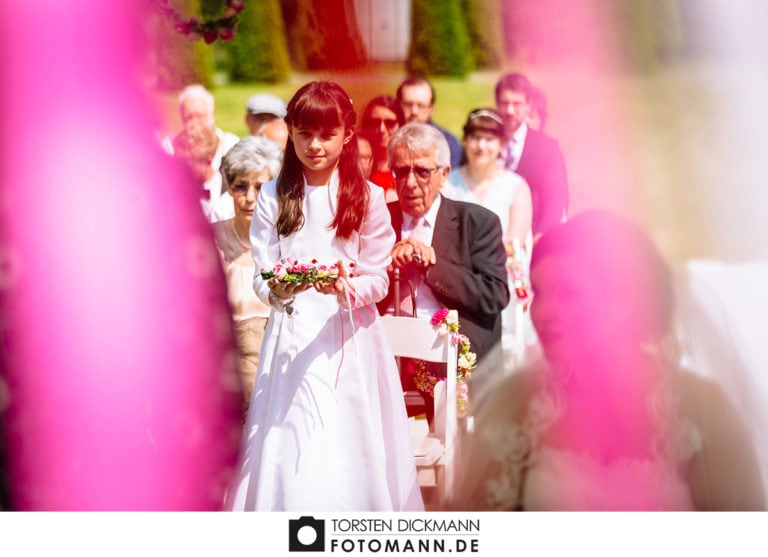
(508, 154)
(420, 231)
(409, 276)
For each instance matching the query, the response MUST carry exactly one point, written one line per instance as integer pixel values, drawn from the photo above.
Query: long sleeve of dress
(369, 277)
(265, 243)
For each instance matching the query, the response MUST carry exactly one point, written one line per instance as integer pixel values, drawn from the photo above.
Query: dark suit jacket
(457, 151)
(543, 167)
(470, 274)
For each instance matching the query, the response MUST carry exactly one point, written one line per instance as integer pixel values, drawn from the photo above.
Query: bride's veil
(722, 333)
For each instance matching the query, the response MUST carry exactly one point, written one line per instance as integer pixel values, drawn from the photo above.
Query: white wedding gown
(327, 429)
(562, 480)
(509, 466)
(723, 309)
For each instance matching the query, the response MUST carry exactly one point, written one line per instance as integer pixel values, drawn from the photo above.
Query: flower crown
(292, 271)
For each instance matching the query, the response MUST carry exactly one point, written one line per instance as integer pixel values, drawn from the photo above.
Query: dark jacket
(543, 167)
(470, 274)
(455, 147)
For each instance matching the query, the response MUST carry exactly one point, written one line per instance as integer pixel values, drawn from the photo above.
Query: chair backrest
(417, 338)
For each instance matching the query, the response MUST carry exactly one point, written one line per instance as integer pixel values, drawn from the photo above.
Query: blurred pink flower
(439, 316)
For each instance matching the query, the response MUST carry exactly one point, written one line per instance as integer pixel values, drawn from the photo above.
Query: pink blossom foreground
(117, 347)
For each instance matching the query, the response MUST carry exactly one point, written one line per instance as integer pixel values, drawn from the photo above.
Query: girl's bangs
(315, 113)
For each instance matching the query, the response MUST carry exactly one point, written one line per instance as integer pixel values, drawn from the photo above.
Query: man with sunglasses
(448, 254)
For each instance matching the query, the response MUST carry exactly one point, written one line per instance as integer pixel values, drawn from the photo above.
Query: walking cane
(396, 278)
(396, 290)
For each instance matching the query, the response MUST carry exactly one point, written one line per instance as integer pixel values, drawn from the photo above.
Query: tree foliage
(652, 31)
(440, 43)
(640, 33)
(174, 60)
(486, 33)
(259, 51)
(323, 35)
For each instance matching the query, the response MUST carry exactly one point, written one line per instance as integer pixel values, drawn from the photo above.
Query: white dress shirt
(426, 303)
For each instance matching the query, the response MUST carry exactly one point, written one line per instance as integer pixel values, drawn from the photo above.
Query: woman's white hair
(251, 154)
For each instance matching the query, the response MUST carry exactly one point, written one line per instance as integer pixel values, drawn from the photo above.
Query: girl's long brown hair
(322, 105)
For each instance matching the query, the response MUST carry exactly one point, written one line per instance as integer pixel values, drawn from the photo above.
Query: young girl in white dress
(327, 428)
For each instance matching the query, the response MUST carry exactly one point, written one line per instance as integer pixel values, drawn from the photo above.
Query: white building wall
(385, 26)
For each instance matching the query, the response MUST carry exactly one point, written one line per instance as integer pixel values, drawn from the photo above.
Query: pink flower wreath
(447, 322)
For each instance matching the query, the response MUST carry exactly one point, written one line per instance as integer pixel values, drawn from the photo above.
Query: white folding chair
(417, 338)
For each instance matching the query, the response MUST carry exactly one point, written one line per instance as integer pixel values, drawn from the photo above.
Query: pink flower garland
(293, 271)
(209, 30)
(516, 269)
(447, 322)
(290, 270)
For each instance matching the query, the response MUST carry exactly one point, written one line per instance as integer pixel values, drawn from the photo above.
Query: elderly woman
(252, 162)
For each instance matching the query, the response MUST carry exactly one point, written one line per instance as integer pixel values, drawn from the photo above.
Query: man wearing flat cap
(264, 115)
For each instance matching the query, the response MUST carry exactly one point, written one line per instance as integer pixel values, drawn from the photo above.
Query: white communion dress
(327, 428)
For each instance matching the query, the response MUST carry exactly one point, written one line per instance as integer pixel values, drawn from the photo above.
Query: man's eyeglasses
(422, 174)
(375, 123)
(415, 105)
(242, 189)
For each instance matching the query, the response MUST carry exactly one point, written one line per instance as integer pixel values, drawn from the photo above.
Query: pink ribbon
(352, 298)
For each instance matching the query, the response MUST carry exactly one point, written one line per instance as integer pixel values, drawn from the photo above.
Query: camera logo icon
(306, 534)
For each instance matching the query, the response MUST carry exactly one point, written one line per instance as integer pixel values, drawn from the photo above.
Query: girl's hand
(285, 290)
(337, 286)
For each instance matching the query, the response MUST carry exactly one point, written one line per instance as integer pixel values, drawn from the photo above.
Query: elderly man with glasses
(448, 254)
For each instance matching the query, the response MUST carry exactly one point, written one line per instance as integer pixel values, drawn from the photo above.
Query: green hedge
(258, 51)
(486, 32)
(440, 43)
